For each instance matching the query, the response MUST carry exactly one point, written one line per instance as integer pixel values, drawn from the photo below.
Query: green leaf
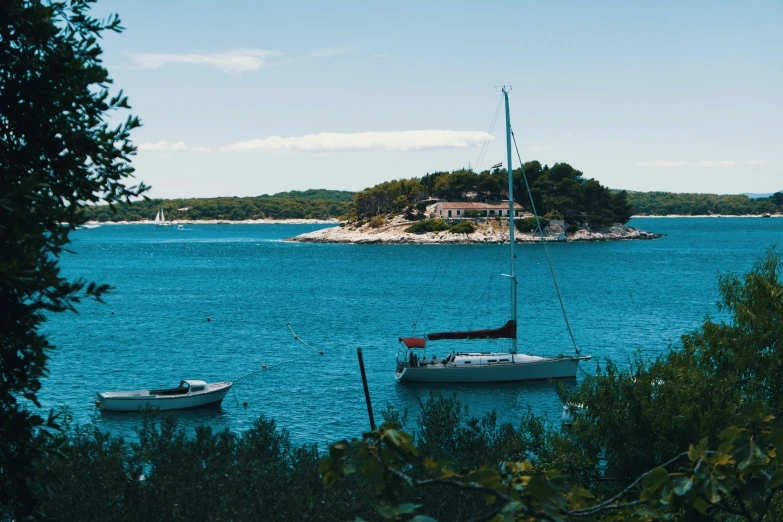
(655, 479)
(700, 505)
(777, 479)
(423, 518)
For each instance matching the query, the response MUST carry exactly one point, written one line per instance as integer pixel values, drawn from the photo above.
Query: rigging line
(485, 146)
(429, 289)
(546, 250)
(301, 341)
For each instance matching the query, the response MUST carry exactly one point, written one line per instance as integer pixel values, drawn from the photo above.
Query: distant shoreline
(225, 222)
(708, 216)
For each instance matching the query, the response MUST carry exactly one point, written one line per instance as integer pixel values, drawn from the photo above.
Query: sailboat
(160, 219)
(476, 367)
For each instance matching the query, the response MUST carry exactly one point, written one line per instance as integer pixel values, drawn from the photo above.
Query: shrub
(527, 224)
(466, 227)
(428, 225)
(377, 221)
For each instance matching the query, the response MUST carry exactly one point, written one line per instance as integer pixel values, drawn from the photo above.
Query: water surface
(622, 297)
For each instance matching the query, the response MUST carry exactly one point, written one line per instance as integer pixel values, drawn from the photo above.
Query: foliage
(666, 203)
(171, 475)
(428, 225)
(309, 204)
(527, 224)
(561, 190)
(57, 153)
(377, 221)
(466, 227)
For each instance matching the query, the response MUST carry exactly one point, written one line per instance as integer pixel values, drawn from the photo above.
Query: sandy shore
(226, 222)
(486, 233)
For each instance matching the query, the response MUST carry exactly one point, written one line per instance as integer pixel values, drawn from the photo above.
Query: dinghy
(189, 394)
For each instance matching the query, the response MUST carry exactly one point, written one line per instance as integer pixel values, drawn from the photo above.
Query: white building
(458, 209)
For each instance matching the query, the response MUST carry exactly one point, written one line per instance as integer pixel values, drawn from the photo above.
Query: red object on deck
(413, 342)
(507, 331)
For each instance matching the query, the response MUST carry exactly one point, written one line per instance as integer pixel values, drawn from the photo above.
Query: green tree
(57, 153)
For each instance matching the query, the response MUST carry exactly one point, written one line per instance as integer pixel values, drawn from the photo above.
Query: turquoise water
(153, 330)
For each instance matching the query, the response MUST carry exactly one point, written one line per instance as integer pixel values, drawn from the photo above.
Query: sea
(213, 302)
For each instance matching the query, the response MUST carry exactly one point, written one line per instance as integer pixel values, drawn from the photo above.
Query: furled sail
(507, 331)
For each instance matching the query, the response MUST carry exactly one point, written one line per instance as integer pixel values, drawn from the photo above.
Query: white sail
(157, 217)
(162, 218)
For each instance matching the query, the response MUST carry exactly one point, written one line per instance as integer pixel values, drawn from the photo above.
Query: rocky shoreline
(487, 233)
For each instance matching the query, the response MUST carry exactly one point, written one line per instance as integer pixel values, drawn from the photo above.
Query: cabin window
(449, 213)
(197, 388)
(491, 212)
(503, 360)
(492, 360)
(458, 212)
(466, 362)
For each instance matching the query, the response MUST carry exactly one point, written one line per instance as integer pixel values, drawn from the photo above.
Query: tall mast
(512, 275)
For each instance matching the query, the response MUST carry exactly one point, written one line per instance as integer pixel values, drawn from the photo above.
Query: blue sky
(243, 98)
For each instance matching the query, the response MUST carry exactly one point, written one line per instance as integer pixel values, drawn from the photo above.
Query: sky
(244, 98)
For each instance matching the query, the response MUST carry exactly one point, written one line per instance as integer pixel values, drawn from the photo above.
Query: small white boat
(189, 394)
(180, 227)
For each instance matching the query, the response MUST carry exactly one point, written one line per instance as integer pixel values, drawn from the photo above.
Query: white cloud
(663, 164)
(327, 53)
(238, 60)
(755, 162)
(168, 145)
(333, 141)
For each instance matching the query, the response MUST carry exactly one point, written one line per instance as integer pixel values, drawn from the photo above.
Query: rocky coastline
(488, 232)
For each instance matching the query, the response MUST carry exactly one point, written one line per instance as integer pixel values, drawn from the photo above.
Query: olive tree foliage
(58, 153)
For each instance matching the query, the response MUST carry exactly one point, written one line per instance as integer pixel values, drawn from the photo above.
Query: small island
(398, 230)
(464, 207)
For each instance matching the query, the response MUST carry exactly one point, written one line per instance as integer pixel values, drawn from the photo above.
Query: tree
(621, 209)
(57, 153)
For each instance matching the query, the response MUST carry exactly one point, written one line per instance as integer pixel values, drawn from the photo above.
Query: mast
(512, 275)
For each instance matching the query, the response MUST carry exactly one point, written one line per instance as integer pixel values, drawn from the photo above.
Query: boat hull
(554, 368)
(212, 398)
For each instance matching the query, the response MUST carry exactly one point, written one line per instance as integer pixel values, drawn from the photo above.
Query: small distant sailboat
(160, 219)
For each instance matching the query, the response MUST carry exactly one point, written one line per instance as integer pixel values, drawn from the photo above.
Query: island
(399, 230)
(463, 206)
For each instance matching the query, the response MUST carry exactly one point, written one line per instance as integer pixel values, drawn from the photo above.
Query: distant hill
(667, 203)
(753, 195)
(312, 194)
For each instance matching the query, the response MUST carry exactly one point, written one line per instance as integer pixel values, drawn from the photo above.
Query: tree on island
(58, 153)
(560, 190)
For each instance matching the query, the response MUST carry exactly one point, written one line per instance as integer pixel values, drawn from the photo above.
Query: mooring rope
(301, 341)
(265, 367)
(543, 241)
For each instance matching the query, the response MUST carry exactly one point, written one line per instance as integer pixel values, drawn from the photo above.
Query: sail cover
(507, 331)
(413, 342)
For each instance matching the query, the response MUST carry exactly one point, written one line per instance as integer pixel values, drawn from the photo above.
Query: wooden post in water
(366, 390)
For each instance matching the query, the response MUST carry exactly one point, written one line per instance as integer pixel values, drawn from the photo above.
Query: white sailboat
(160, 219)
(475, 367)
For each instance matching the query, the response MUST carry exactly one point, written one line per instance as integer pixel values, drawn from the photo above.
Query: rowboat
(189, 394)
